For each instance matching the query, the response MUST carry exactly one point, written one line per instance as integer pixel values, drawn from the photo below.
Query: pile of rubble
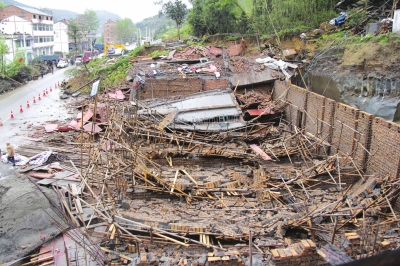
(151, 188)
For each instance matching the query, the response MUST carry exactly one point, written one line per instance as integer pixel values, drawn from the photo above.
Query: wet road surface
(11, 101)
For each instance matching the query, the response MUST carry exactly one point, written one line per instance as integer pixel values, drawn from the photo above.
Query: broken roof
(213, 110)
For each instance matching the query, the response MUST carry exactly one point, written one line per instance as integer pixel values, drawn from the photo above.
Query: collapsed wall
(164, 88)
(372, 141)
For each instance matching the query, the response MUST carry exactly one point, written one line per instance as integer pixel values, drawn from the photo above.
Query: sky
(136, 10)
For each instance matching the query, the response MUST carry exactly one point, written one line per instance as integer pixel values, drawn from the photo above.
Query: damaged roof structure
(188, 173)
(215, 110)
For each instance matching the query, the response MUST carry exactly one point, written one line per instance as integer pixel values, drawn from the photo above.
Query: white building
(15, 29)
(61, 40)
(41, 28)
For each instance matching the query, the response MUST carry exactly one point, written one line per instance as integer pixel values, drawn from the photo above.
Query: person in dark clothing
(41, 73)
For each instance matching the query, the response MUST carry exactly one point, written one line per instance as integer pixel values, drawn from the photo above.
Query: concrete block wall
(385, 148)
(160, 88)
(280, 90)
(373, 142)
(297, 97)
(329, 116)
(363, 140)
(315, 113)
(345, 127)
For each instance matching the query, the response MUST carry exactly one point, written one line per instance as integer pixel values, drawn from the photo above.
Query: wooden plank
(47, 263)
(38, 261)
(117, 253)
(173, 184)
(113, 233)
(45, 249)
(75, 192)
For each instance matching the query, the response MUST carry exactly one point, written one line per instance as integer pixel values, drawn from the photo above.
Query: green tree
(175, 10)
(89, 23)
(14, 67)
(214, 16)
(125, 30)
(74, 31)
(197, 18)
(3, 51)
(243, 23)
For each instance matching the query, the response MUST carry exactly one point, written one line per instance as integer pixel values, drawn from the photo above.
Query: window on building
(34, 16)
(28, 43)
(51, 27)
(36, 39)
(40, 17)
(41, 39)
(47, 18)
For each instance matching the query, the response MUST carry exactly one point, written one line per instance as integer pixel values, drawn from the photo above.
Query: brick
(275, 253)
(312, 244)
(305, 244)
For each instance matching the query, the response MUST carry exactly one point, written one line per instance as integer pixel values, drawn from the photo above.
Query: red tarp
(256, 112)
(40, 175)
(117, 95)
(235, 50)
(50, 127)
(86, 116)
(214, 50)
(89, 127)
(260, 152)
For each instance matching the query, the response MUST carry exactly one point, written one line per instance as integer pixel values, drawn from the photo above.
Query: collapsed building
(198, 170)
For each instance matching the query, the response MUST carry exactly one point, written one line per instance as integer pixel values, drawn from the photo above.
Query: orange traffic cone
(27, 104)
(12, 115)
(51, 89)
(47, 92)
(34, 99)
(20, 109)
(1, 123)
(44, 93)
(39, 97)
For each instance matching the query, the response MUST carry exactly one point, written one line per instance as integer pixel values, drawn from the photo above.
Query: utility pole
(23, 37)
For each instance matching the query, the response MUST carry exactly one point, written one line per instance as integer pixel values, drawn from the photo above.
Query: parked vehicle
(78, 61)
(87, 57)
(99, 47)
(111, 51)
(115, 46)
(62, 63)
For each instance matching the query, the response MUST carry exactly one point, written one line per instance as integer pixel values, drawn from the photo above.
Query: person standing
(10, 153)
